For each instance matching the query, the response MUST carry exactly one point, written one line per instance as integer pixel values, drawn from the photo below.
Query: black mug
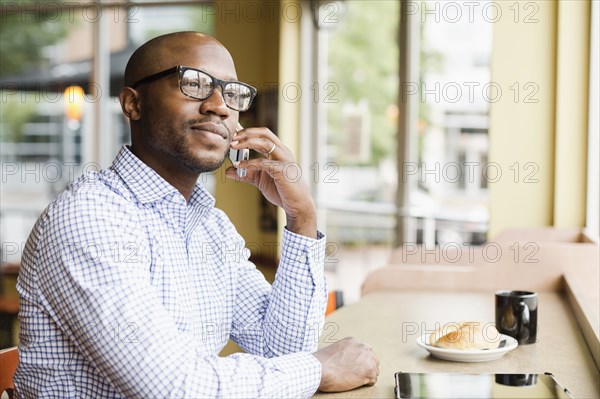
(517, 380)
(516, 315)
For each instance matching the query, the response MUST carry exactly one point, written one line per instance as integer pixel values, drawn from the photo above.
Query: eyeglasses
(200, 85)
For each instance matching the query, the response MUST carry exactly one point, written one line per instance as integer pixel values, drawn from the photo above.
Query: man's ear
(130, 103)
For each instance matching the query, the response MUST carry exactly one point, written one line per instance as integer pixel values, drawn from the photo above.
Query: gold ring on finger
(271, 150)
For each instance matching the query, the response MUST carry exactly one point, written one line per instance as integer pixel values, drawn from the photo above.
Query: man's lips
(212, 128)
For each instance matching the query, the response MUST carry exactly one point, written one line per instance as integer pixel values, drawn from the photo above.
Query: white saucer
(474, 355)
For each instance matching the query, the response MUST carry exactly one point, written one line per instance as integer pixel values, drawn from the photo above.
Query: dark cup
(516, 315)
(517, 380)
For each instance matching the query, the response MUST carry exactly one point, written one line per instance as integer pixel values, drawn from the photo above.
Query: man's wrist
(305, 226)
(320, 358)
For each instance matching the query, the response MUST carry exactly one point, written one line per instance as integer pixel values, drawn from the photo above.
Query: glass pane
(454, 94)
(38, 144)
(359, 181)
(155, 21)
(45, 48)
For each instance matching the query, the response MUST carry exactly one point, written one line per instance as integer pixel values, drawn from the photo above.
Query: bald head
(166, 51)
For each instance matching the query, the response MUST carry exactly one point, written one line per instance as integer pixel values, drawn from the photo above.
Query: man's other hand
(346, 365)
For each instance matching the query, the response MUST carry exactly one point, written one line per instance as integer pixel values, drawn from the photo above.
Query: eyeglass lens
(199, 85)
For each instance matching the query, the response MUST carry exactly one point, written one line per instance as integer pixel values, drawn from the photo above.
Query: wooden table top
(391, 322)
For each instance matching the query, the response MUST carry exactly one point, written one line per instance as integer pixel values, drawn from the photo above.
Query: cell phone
(236, 156)
(484, 386)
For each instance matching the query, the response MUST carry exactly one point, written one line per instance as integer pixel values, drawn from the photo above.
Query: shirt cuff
(304, 371)
(308, 251)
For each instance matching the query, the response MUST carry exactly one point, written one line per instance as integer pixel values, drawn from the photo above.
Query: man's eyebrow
(228, 78)
(223, 75)
(231, 78)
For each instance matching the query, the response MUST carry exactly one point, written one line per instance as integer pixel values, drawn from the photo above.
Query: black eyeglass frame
(180, 69)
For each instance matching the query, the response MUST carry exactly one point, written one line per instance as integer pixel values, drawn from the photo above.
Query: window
(361, 118)
(47, 124)
(452, 95)
(362, 67)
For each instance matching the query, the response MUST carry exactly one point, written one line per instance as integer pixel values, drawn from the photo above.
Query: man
(132, 282)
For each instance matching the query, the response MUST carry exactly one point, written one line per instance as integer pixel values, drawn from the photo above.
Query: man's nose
(215, 104)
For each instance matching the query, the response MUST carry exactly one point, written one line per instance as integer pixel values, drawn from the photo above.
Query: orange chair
(9, 359)
(335, 300)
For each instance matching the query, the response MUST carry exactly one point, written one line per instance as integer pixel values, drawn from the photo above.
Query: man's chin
(203, 164)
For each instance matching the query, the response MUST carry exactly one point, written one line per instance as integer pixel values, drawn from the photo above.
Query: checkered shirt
(127, 290)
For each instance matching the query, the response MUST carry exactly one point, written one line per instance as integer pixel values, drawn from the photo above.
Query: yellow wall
(251, 34)
(572, 113)
(289, 64)
(538, 139)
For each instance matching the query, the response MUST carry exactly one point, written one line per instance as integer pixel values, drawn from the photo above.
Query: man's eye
(191, 83)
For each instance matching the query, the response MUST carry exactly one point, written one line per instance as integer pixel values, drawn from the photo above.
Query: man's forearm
(300, 287)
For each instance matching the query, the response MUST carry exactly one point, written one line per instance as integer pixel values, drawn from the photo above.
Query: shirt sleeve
(287, 317)
(105, 304)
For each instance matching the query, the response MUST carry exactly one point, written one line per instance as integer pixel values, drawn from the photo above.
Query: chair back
(9, 359)
(335, 300)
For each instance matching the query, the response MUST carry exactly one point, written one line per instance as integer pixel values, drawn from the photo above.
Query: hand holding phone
(236, 156)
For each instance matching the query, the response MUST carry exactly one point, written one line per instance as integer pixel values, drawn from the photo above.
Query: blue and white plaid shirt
(127, 290)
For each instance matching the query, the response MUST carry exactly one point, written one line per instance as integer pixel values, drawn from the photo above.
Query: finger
(377, 360)
(270, 166)
(271, 150)
(261, 140)
(263, 146)
(375, 379)
(257, 172)
(258, 132)
(374, 374)
(231, 173)
(278, 170)
(371, 381)
(259, 144)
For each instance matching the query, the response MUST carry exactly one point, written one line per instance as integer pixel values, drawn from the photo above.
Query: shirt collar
(148, 186)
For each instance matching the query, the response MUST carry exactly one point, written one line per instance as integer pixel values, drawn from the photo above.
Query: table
(392, 321)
